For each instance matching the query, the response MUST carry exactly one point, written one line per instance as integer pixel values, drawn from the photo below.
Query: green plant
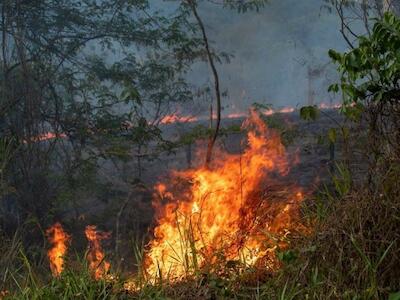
(342, 180)
(369, 85)
(6, 152)
(371, 267)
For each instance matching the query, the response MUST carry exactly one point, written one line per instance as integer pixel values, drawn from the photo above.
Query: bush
(354, 250)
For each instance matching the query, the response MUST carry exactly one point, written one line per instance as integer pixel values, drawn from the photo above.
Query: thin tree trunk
(213, 138)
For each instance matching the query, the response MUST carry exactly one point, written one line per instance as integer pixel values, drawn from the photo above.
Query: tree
(370, 87)
(241, 6)
(351, 12)
(61, 99)
(69, 103)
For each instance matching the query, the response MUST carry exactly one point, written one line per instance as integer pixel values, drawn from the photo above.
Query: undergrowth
(353, 252)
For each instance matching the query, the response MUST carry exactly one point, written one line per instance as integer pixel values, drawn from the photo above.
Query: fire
(58, 239)
(206, 217)
(265, 112)
(175, 118)
(286, 110)
(323, 105)
(236, 115)
(45, 136)
(96, 258)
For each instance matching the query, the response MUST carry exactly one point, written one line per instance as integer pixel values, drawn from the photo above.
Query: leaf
(345, 132)
(333, 88)
(378, 96)
(130, 93)
(309, 113)
(394, 296)
(332, 135)
(336, 56)
(287, 256)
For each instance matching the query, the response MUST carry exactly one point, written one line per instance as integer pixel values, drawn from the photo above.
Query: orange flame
(205, 216)
(96, 258)
(175, 118)
(58, 239)
(324, 105)
(45, 136)
(265, 112)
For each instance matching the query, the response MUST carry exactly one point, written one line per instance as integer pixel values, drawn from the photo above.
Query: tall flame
(58, 239)
(227, 213)
(96, 258)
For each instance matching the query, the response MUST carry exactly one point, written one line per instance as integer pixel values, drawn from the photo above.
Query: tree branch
(213, 138)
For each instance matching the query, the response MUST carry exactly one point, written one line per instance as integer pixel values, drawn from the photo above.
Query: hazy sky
(272, 50)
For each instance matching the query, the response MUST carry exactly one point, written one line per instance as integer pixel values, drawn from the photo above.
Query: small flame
(236, 115)
(286, 110)
(96, 258)
(175, 118)
(45, 136)
(58, 239)
(265, 112)
(329, 106)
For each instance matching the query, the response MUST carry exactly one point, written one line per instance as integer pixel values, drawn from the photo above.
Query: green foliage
(372, 70)
(287, 256)
(332, 135)
(197, 133)
(342, 180)
(6, 152)
(130, 93)
(72, 284)
(371, 267)
(60, 75)
(309, 113)
(394, 296)
(369, 84)
(200, 132)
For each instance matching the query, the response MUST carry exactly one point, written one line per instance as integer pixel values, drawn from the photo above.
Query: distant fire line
(176, 118)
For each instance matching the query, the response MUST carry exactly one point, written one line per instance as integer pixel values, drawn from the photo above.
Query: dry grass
(354, 251)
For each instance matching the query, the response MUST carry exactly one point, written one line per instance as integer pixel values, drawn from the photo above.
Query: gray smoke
(280, 53)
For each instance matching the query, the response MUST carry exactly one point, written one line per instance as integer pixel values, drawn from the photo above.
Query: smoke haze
(274, 51)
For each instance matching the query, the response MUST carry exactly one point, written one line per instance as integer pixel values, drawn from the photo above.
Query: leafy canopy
(371, 72)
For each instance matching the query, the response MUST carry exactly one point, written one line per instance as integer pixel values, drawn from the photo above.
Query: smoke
(274, 51)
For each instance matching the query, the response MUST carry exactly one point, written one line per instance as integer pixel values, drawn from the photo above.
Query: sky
(273, 50)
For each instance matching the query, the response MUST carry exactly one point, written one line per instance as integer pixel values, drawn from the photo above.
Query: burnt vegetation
(90, 100)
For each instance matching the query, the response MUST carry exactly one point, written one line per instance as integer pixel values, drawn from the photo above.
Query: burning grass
(59, 239)
(98, 265)
(228, 214)
(212, 225)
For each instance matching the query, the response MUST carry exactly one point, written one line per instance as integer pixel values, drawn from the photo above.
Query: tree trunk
(213, 138)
